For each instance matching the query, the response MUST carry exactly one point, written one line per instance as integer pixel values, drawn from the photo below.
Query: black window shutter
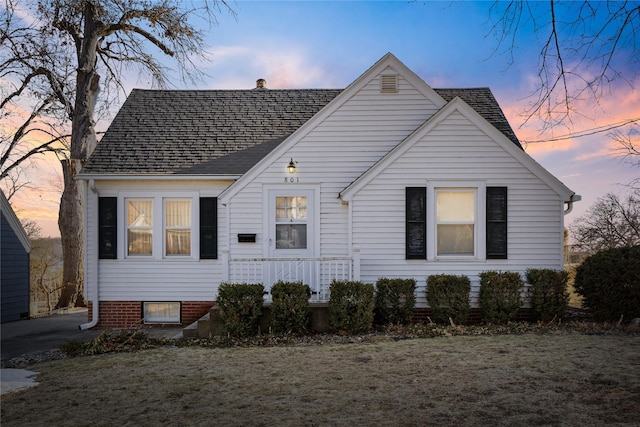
(208, 228)
(496, 222)
(416, 217)
(107, 227)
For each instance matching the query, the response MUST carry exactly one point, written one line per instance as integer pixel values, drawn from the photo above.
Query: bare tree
(585, 46)
(60, 58)
(628, 148)
(46, 274)
(613, 221)
(28, 129)
(32, 229)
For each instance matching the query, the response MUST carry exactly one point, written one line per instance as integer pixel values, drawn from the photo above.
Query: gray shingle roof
(223, 132)
(482, 100)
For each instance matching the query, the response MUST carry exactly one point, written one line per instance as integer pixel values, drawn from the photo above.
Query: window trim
(479, 235)
(158, 228)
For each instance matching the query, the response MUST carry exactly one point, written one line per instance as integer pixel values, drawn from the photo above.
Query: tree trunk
(71, 236)
(83, 141)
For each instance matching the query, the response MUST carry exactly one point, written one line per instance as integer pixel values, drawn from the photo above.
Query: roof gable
(458, 105)
(388, 64)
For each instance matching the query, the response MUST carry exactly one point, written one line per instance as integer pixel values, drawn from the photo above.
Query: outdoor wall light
(291, 168)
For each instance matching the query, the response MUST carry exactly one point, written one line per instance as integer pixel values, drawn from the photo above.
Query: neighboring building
(14, 265)
(386, 178)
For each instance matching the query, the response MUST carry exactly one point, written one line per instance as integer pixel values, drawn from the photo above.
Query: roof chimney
(261, 84)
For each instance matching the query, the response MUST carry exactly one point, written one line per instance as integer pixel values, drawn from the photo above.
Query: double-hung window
(177, 222)
(455, 221)
(139, 227)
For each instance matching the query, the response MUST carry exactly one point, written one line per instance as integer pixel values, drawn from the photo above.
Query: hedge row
(352, 308)
(355, 306)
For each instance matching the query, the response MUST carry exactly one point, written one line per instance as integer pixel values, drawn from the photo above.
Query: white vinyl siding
(177, 278)
(455, 152)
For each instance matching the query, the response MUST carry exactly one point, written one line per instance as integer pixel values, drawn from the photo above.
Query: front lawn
(562, 378)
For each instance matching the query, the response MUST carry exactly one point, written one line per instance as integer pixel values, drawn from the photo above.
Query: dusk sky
(323, 44)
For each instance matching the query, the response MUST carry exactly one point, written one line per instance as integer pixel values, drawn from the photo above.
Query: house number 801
(291, 179)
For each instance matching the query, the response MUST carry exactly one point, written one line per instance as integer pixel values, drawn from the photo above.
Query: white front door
(291, 235)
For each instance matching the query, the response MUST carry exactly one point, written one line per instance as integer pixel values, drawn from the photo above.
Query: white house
(386, 178)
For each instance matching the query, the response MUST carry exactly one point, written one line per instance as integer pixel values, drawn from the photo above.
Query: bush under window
(395, 301)
(448, 297)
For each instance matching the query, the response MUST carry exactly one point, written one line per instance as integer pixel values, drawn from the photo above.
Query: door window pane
(139, 227)
(291, 222)
(291, 236)
(291, 208)
(455, 222)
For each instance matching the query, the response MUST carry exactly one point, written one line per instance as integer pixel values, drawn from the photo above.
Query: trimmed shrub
(448, 297)
(395, 301)
(500, 295)
(609, 281)
(240, 306)
(548, 293)
(290, 310)
(351, 306)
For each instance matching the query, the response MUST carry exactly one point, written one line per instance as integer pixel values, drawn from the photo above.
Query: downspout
(574, 198)
(94, 307)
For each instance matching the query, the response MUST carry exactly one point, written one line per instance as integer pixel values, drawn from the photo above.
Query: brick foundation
(126, 314)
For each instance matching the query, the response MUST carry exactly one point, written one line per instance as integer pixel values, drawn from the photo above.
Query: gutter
(574, 198)
(95, 306)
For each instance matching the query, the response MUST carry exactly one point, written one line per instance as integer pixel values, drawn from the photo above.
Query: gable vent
(389, 83)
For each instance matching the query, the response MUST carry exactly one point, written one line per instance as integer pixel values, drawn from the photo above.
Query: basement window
(161, 312)
(389, 83)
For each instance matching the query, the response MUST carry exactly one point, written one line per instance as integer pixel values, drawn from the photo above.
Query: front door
(291, 234)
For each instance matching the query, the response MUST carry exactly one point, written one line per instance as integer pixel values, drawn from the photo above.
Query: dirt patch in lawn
(555, 379)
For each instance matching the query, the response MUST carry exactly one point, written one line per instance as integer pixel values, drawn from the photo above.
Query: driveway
(43, 334)
(48, 333)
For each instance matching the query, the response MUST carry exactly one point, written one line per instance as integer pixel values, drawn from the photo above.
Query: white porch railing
(318, 273)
